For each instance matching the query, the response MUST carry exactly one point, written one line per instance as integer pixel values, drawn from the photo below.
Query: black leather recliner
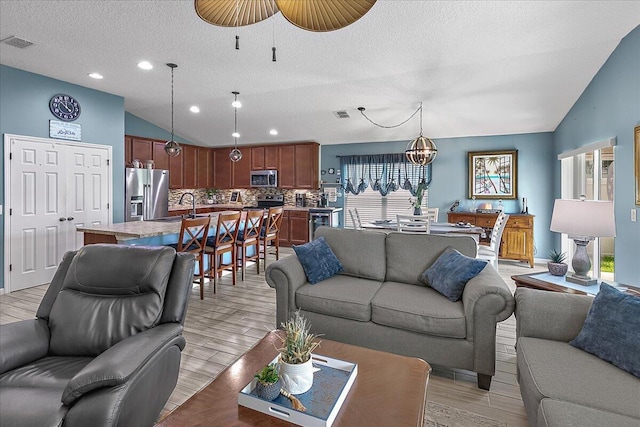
(105, 347)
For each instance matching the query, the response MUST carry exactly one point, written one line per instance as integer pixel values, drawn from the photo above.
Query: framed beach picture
(636, 156)
(493, 174)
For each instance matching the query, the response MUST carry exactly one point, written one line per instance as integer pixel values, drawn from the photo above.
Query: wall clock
(64, 107)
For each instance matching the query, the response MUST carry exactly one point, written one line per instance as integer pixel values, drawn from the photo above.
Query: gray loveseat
(378, 301)
(562, 385)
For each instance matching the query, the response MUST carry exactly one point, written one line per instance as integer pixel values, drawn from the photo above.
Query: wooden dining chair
(193, 232)
(248, 237)
(271, 233)
(223, 242)
(414, 223)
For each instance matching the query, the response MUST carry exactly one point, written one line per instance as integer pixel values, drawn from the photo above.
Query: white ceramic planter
(296, 379)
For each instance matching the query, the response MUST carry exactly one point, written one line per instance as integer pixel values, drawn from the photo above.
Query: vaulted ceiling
(479, 67)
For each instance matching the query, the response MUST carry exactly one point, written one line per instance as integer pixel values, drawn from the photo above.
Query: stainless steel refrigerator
(146, 194)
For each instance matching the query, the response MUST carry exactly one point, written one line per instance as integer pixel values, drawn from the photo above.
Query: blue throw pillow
(318, 260)
(610, 330)
(451, 272)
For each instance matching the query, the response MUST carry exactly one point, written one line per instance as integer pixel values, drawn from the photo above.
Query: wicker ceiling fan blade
(223, 12)
(323, 15)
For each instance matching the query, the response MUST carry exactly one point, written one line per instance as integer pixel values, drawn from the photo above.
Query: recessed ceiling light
(235, 135)
(96, 76)
(145, 65)
(273, 132)
(236, 104)
(194, 109)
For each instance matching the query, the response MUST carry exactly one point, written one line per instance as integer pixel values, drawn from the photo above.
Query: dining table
(436, 228)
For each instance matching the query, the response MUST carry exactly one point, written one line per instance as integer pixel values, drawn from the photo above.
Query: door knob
(62, 219)
(70, 218)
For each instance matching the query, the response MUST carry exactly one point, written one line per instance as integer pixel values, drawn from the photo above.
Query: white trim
(7, 189)
(609, 142)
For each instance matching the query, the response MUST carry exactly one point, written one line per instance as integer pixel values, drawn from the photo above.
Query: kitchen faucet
(193, 202)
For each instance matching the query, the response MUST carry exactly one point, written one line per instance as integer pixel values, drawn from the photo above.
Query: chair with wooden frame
(223, 242)
(414, 223)
(249, 236)
(271, 233)
(193, 232)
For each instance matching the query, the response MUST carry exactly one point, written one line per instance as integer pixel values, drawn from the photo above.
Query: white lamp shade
(584, 218)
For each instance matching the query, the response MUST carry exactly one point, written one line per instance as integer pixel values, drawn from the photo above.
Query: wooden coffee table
(389, 390)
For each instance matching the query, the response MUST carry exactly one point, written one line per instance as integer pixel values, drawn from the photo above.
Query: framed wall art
(636, 156)
(493, 174)
(234, 197)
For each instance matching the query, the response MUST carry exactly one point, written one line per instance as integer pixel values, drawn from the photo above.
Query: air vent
(17, 42)
(342, 114)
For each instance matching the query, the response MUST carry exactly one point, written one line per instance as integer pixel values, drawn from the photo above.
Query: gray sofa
(105, 346)
(562, 385)
(378, 301)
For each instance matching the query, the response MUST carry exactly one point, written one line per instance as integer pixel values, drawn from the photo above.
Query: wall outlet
(633, 215)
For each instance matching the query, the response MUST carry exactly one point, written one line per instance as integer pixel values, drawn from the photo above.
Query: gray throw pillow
(450, 273)
(610, 330)
(318, 260)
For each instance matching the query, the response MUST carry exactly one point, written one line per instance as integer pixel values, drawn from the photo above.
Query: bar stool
(271, 233)
(193, 232)
(249, 236)
(224, 241)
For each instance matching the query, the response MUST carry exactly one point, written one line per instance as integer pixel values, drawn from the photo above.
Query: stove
(268, 201)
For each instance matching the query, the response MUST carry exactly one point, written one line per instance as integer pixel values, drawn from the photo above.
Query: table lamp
(583, 220)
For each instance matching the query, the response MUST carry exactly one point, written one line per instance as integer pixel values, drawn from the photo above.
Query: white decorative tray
(331, 384)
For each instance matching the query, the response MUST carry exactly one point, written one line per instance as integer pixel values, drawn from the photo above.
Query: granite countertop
(139, 229)
(186, 207)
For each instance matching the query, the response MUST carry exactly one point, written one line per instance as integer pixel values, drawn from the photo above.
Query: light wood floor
(223, 326)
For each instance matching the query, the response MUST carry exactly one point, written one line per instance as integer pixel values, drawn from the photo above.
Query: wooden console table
(517, 238)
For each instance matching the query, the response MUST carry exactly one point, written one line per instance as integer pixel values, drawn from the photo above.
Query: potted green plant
(417, 202)
(268, 384)
(296, 369)
(556, 265)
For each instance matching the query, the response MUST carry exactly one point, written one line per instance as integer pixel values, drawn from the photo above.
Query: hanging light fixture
(422, 150)
(235, 155)
(172, 148)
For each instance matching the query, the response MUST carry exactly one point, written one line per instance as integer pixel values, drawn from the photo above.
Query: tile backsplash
(247, 196)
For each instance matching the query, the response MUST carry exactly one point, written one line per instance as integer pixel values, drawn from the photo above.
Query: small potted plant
(557, 266)
(296, 369)
(417, 202)
(268, 384)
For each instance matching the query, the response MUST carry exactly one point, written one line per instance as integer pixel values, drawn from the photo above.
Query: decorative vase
(557, 269)
(268, 391)
(296, 379)
(417, 211)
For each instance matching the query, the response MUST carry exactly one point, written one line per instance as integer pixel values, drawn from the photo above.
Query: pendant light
(422, 150)
(235, 155)
(172, 148)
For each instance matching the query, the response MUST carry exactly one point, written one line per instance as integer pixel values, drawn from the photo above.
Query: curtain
(383, 173)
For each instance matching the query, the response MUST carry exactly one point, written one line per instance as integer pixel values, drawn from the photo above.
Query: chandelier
(422, 150)
(171, 147)
(235, 155)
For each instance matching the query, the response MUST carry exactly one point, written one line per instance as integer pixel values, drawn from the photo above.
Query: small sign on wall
(64, 130)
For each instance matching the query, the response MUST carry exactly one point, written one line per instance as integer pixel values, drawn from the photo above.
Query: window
(372, 206)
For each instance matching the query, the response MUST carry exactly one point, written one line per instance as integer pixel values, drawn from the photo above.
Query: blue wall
(449, 183)
(134, 125)
(610, 106)
(24, 110)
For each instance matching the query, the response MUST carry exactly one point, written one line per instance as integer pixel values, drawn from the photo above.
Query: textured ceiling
(480, 68)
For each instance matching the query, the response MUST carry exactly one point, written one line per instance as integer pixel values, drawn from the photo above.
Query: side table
(546, 282)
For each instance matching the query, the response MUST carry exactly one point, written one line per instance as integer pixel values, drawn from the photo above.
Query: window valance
(383, 173)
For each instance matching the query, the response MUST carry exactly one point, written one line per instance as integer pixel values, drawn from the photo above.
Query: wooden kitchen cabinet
(286, 166)
(189, 165)
(175, 172)
(242, 170)
(294, 229)
(306, 166)
(517, 237)
(204, 175)
(160, 157)
(264, 157)
(141, 149)
(127, 151)
(257, 158)
(222, 169)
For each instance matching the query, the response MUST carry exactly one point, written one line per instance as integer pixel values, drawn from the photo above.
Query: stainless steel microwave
(264, 178)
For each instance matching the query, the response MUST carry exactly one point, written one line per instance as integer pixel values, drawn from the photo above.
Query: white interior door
(53, 187)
